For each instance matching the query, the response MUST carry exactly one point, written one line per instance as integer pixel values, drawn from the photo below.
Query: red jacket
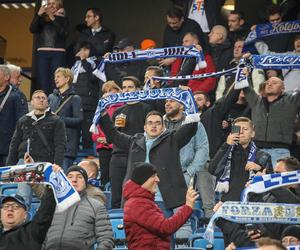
(145, 225)
(110, 110)
(206, 84)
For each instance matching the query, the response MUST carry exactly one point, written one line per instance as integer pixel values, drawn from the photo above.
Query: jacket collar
(32, 115)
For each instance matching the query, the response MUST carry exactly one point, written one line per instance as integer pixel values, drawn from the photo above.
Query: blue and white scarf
(223, 183)
(271, 29)
(179, 51)
(183, 96)
(77, 67)
(255, 248)
(64, 193)
(264, 183)
(254, 212)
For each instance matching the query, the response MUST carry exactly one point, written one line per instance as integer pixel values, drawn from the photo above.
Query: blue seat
(8, 189)
(116, 219)
(198, 241)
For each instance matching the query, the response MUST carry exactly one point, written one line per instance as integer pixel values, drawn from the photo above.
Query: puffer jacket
(80, 226)
(145, 225)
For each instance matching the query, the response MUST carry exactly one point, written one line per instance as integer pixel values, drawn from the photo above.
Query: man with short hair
(83, 224)
(16, 232)
(15, 80)
(291, 236)
(96, 34)
(220, 46)
(11, 109)
(39, 134)
(157, 146)
(145, 225)
(93, 188)
(273, 116)
(237, 26)
(134, 121)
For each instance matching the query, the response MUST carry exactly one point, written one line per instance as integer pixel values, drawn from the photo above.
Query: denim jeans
(276, 153)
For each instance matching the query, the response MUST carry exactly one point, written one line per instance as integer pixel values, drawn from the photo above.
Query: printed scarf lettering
(64, 193)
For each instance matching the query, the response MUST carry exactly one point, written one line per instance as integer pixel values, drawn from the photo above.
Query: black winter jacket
(50, 34)
(164, 154)
(10, 114)
(31, 235)
(53, 129)
(71, 114)
(238, 175)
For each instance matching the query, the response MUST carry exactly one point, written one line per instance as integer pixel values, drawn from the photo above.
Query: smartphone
(250, 227)
(235, 129)
(193, 182)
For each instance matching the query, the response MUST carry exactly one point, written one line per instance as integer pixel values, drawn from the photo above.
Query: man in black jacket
(67, 105)
(16, 233)
(10, 111)
(157, 146)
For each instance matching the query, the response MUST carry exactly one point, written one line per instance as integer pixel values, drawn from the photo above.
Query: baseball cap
(15, 197)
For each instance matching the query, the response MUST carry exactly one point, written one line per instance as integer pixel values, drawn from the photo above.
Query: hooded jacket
(145, 225)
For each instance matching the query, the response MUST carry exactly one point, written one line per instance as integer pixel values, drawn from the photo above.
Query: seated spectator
(64, 103)
(220, 47)
(16, 232)
(93, 188)
(83, 224)
(291, 236)
(290, 76)
(237, 26)
(104, 149)
(117, 71)
(189, 66)
(145, 224)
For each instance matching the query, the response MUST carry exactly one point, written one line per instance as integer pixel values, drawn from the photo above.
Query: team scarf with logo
(253, 212)
(223, 183)
(255, 248)
(179, 51)
(264, 183)
(272, 29)
(77, 67)
(183, 96)
(42, 173)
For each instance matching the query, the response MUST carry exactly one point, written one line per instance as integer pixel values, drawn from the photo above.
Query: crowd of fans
(151, 146)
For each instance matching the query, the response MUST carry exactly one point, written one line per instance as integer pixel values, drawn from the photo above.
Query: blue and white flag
(264, 183)
(253, 212)
(64, 193)
(183, 96)
(283, 61)
(179, 51)
(271, 29)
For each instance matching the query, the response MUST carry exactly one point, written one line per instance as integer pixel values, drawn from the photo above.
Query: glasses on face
(151, 123)
(12, 206)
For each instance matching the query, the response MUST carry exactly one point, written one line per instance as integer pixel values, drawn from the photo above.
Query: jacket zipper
(62, 233)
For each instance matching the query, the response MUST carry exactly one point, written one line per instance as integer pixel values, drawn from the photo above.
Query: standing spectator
(104, 149)
(11, 109)
(235, 151)
(64, 103)
(237, 26)
(39, 134)
(290, 76)
(195, 154)
(87, 86)
(189, 66)
(18, 234)
(15, 80)
(150, 83)
(157, 146)
(257, 75)
(83, 224)
(220, 46)
(133, 122)
(50, 25)
(145, 225)
(175, 30)
(117, 71)
(291, 236)
(96, 34)
(273, 116)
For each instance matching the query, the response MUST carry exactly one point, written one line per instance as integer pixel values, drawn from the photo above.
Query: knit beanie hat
(142, 172)
(291, 231)
(80, 170)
